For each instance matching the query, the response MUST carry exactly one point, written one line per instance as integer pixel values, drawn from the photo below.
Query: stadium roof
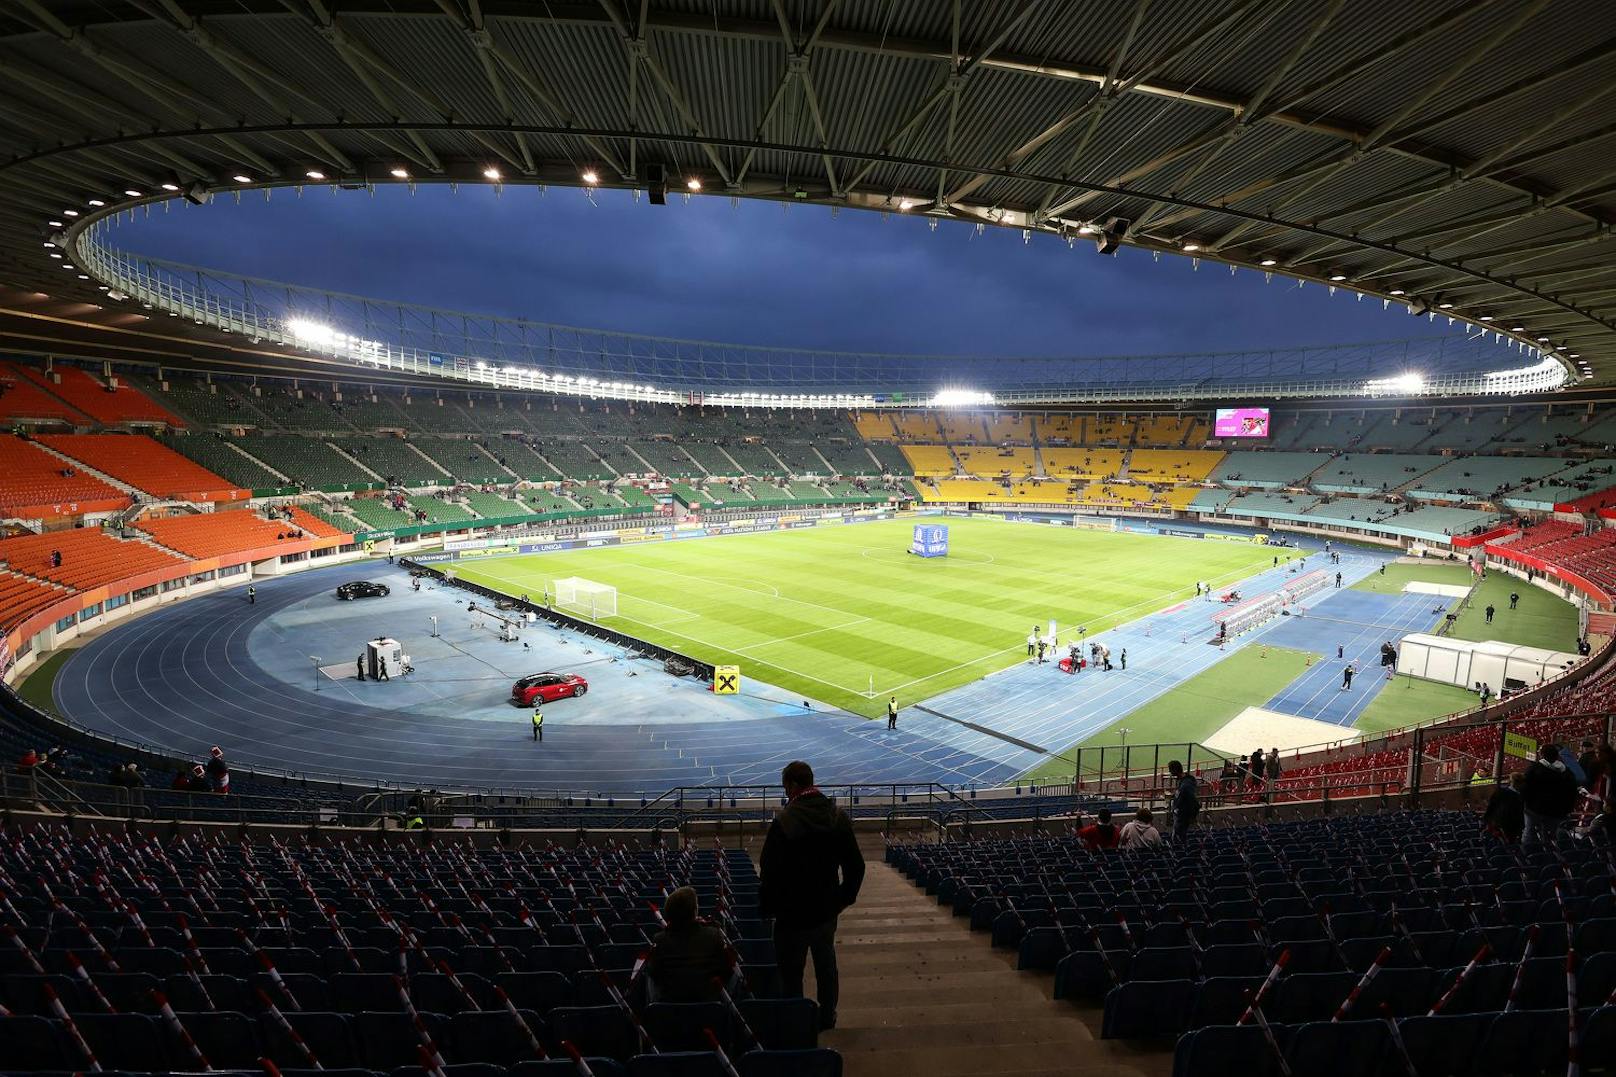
(1452, 154)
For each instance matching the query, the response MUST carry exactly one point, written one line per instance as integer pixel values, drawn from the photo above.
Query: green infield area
(846, 615)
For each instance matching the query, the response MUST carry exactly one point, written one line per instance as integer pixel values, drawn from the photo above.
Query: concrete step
(924, 996)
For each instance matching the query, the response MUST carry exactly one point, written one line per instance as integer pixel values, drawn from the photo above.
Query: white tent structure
(1467, 663)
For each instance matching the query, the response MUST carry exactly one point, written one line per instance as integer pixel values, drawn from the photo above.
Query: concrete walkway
(924, 997)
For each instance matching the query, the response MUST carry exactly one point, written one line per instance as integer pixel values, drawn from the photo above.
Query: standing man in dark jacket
(1186, 800)
(1548, 793)
(811, 870)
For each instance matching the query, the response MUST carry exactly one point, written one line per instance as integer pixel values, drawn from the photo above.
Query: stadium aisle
(922, 996)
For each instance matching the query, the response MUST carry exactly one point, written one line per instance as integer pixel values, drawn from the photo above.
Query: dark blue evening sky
(756, 273)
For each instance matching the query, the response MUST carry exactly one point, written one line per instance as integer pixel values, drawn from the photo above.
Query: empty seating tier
(393, 459)
(1085, 464)
(988, 462)
(308, 462)
(101, 401)
(929, 460)
(218, 455)
(215, 534)
(33, 484)
(22, 400)
(147, 466)
(89, 557)
(22, 598)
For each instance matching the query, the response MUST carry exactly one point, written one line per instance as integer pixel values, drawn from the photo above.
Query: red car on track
(547, 688)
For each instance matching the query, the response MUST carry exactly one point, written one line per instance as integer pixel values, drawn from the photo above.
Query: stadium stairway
(81, 466)
(924, 997)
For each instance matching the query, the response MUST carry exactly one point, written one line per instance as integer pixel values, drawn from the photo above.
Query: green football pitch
(847, 616)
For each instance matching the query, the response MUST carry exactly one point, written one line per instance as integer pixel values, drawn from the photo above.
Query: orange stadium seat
(32, 484)
(90, 557)
(20, 398)
(210, 534)
(97, 400)
(22, 598)
(316, 526)
(146, 465)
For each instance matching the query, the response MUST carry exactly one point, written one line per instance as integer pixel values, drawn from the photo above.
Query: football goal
(585, 598)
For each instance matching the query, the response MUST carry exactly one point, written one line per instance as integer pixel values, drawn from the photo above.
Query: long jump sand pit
(1256, 727)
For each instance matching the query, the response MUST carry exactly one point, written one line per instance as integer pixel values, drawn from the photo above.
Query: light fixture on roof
(1486, 317)
(399, 173)
(491, 173)
(590, 177)
(84, 276)
(171, 187)
(55, 254)
(1445, 306)
(242, 178)
(315, 174)
(132, 193)
(1397, 291)
(1269, 262)
(48, 243)
(54, 224)
(96, 202)
(1517, 329)
(1338, 277)
(904, 205)
(70, 213)
(1575, 355)
(693, 183)
(1191, 247)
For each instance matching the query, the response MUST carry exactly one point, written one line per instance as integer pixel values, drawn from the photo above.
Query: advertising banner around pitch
(726, 680)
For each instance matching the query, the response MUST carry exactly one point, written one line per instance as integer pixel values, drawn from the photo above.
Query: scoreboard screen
(1241, 423)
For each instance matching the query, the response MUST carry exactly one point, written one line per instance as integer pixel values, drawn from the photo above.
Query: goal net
(585, 598)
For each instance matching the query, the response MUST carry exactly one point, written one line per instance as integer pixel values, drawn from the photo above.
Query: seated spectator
(1100, 834)
(1140, 832)
(689, 959)
(28, 761)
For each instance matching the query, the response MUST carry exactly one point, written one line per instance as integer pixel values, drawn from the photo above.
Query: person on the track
(1338, 579)
(252, 595)
(359, 663)
(892, 713)
(1346, 676)
(538, 725)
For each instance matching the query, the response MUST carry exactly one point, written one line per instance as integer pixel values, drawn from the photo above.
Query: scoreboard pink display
(1240, 423)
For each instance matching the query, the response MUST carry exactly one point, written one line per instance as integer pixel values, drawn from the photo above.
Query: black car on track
(361, 589)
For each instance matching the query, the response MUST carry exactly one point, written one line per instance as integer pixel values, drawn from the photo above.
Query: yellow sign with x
(726, 680)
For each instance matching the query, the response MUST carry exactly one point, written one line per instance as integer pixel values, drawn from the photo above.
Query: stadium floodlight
(693, 183)
(1397, 291)
(904, 206)
(96, 202)
(1410, 383)
(55, 255)
(399, 173)
(1191, 248)
(1445, 305)
(1517, 329)
(171, 188)
(1269, 262)
(1542, 340)
(1338, 277)
(491, 173)
(132, 193)
(56, 224)
(1486, 317)
(960, 398)
(590, 177)
(242, 178)
(70, 213)
(315, 174)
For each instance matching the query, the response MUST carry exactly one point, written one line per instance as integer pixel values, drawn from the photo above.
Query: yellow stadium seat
(930, 460)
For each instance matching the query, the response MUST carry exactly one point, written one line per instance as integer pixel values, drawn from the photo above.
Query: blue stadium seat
(1444, 1045)
(1220, 1000)
(226, 1040)
(1523, 1042)
(676, 1026)
(360, 992)
(492, 1037)
(1235, 959)
(127, 1041)
(677, 1064)
(388, 1040)
(816, 1062)
(787, 1024)
(326, 1034)
(538, 991)
(1147, 1009)
(596, 1030)
(564, 1067)
(1323, 1049)
(1229, 1051)
(29, 1042)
